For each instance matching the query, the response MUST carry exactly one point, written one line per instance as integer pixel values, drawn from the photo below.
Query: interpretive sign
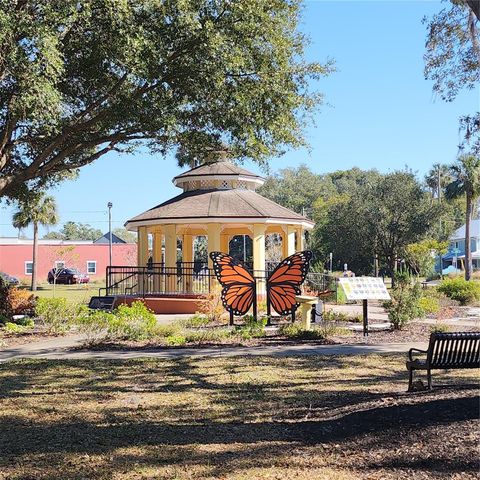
(364, 288)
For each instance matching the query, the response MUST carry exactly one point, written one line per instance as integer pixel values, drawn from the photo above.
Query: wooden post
(365, 318)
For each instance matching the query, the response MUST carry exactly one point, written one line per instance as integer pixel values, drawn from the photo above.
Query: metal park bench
(102, 303)
(446, 351)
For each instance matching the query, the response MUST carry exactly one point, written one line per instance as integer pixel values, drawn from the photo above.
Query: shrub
(429, 305)
(332, 316)
(167, 330)
(57, 314)
(11, 327)
(252, 327)
(134, 322)
(24, 321)
(20, 301)
(98, 326)
(461, 290)
(404, 305)
(439, 328)
(295, 330)
(211, 306)
(176, 340)
(196, 321)
(207, 336)
(4, 319)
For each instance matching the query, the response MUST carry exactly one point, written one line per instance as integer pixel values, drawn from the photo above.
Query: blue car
(8, 279)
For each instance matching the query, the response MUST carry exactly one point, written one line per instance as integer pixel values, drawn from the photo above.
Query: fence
(188, 279)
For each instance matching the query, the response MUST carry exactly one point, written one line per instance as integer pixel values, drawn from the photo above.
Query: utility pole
(110, 205)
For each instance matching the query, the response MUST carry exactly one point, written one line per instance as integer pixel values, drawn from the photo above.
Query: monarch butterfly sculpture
(239, 292)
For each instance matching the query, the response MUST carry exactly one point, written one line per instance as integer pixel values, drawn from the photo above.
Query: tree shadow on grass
(357, 420)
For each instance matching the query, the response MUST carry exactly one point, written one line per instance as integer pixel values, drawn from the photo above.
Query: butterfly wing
(284, 282)
(238, 285)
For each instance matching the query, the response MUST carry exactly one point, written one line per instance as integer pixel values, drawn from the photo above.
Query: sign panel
(364, 288)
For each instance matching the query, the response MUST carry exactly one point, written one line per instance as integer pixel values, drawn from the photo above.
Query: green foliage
(134, 322)
(335, 316)
(24, 321)
(252, 327)
(451, 57)
(176, 340)
(209, 335)
(461, 290)
(421, 255)
(195, 321)
(404, 305)
(75, 231)
(14, 328)
(4, 319)
(296, 331)
(95, 76)
(57, 314)
(440, 328)
(429, 305)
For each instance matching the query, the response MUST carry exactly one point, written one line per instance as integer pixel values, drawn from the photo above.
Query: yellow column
(187, 257)
(142, 246)
(290, 241)
(142, 258)
(213, 239)
(300, 243)
(157, 258)
(259, 256)
(171, 257)
(224, 241)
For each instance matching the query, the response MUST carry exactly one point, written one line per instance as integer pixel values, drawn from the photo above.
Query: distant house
(87, 256)
(106, 239)
(456, 249)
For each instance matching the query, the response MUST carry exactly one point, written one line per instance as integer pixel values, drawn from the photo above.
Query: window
(91, 267)
(28, 267)
(59, 264)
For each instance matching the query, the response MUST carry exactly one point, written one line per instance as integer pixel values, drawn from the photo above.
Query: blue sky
(380, 113)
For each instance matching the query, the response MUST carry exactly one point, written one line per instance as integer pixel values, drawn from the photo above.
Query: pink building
(88, 257)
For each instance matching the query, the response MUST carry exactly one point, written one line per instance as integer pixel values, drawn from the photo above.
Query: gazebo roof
(218, 170)
(232, 205)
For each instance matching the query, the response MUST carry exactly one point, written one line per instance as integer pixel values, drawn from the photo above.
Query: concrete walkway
(67, 348)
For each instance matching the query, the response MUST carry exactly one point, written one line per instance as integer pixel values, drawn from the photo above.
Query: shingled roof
(207, 205)
(218, 168)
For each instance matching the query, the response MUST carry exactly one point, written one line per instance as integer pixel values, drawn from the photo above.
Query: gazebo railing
(186, 278)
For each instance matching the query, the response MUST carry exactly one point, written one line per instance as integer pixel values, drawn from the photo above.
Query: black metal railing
(187, 278)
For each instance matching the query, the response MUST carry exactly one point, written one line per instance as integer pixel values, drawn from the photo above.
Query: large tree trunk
(468, 251)
(35, 256)
(475, 6)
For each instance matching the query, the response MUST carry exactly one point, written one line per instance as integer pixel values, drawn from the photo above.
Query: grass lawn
(334, 418)
(74, 293)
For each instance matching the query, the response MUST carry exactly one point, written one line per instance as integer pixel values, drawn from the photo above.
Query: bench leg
(429, 376)
(410, 379)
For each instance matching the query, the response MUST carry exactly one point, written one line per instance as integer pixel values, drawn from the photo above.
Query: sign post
(365, 289)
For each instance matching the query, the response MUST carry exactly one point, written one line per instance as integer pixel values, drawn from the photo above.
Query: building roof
(105, 239)
(459, 234)
(218, 205)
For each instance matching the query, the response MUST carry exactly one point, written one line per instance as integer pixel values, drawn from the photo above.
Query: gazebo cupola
(218, 201)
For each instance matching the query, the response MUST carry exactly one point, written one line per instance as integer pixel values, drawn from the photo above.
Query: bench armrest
(410, 352)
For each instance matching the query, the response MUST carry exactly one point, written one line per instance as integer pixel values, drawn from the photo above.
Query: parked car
(67, 276)
(8, 279)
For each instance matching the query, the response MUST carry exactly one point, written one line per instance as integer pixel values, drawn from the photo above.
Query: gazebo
(218, 201)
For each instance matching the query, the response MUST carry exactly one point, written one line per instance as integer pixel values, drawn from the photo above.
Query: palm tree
(466, 182)
(36, 209)
(439, 171)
